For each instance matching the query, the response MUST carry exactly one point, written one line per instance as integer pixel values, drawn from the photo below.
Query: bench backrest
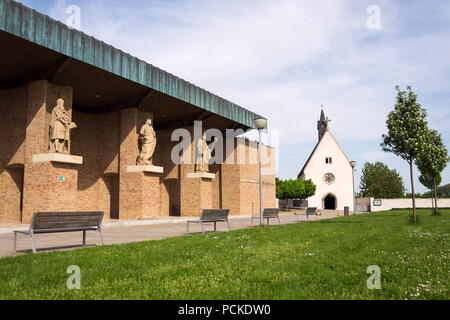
(270, 213)
(311, 210)
(66, 220)
(214, 214)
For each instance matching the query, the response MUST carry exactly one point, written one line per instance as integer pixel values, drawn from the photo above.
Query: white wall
(388, 204)
(342, 188)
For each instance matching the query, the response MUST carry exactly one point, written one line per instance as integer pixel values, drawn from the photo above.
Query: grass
(313, 260)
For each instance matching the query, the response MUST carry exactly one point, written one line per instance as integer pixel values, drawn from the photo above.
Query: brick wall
(108, 143)
(13, 118)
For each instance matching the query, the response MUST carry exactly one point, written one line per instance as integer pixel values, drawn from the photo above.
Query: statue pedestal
(57, 157)
(51, 184)
(140, 192)
(201, 175)
(145, 168)
(196, 193)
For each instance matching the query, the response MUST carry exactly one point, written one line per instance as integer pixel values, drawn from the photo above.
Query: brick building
(108, 94)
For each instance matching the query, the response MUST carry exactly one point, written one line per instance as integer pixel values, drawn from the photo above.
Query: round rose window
(329, 178)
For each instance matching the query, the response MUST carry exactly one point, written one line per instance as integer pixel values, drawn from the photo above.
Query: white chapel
(331, 171)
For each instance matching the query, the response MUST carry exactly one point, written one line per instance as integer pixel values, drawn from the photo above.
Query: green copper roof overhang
(40, 29)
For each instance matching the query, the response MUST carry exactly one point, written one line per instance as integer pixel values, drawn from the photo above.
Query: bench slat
(69, 213)
(63, 230)
(67, 219)
(62, 225)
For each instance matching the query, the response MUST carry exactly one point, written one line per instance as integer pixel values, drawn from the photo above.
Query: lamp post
(260, 123)
(353, 164)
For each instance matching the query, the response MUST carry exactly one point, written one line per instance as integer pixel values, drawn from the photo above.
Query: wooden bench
(310, 211)
(211, 216)
(53, 222)
(268, 214)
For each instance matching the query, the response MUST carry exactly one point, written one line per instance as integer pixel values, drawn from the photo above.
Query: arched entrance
(329, 202)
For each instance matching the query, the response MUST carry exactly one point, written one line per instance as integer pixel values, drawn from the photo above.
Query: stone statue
(60, 126)
(147, 140)
(204, 152)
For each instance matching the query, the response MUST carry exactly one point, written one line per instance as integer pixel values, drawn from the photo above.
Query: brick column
(195, 191)
(139, 192)
(48, 186)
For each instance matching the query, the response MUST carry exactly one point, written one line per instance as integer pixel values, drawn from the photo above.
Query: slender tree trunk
(435, 196)
(432, 200)
(412, 190)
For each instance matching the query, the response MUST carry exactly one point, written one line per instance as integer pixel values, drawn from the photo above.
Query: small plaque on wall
(60, 178)
(377, 202)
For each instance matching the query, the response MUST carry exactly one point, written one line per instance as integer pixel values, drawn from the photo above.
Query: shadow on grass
(338, 221)
(75, 246)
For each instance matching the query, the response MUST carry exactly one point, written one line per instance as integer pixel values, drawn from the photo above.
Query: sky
(284, 59)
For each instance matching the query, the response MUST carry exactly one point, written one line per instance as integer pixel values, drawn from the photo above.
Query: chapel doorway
(329, 202)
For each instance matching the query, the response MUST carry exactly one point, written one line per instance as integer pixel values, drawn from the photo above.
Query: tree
(432, 160)
(431, 182)
(378, 181)
(294, 189)
(407, 132)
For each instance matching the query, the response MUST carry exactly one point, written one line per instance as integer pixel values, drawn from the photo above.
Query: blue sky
(284, 59)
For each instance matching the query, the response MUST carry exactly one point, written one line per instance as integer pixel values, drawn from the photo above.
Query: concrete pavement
(129, 231)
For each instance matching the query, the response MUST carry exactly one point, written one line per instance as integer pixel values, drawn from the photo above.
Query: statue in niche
(60, 127)
(147, 140)
(204, 154)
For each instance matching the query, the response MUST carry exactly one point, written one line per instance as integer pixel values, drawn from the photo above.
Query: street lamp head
(260, 123)
(353, 164)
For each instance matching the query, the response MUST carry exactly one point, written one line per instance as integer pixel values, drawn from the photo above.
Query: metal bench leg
(15, 244)
(268, 223)
(278, 220)
(84, 237)
(203, 228)
(101, 235)
(187, 226)
(33, 245)
(229, 229)
(215, 226)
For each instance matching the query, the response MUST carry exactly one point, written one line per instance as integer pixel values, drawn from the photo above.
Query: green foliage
(441, 192)
(407, 127)
(429, 181)
(433, 156)
(294, 189)
(432, 160)
(378, 181)
(324, 259)
(408, 134)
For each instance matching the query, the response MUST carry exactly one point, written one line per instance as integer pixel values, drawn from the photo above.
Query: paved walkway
(128, 231)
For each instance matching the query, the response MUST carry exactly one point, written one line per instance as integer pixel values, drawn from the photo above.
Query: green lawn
(314, 260)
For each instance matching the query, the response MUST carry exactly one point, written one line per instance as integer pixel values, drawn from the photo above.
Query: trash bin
(346, 211)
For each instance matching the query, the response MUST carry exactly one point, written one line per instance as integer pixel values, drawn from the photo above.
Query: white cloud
(283, 59)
